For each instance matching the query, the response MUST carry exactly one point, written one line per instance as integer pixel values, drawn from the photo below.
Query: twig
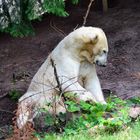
(56, 76)
(2, 110)
(76, 27)
(60, 89)
(53, 26)
(51, 88)
(36, 94)
(3, 95)
(86, 15)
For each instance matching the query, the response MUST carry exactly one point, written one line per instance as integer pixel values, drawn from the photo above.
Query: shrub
(16, 16)
(85, 116)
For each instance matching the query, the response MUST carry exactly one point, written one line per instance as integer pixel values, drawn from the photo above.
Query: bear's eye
(104, 51)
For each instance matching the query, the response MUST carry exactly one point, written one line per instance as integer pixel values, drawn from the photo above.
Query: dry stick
(59, 86)
(55, 88)
(3, 95)
(86, 15)
(7, 111)
(57, 80)
(53, 26)
(76, 27)
(35, 94)
(56, 76)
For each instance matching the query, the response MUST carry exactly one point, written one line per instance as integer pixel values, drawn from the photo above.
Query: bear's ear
(95, 39)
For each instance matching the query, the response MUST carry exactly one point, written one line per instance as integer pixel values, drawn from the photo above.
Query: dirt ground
(20, 58)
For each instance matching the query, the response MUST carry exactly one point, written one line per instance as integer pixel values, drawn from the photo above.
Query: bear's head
(92, 45)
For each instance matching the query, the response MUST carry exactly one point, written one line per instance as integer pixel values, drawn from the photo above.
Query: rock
(134, 112)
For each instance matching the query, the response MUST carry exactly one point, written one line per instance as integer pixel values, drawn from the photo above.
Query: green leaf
(14, 95)
(72, 106)
(85, 106)
(74, 1)
(49, 120)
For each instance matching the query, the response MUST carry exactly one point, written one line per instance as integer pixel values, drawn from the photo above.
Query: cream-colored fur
(74, 58)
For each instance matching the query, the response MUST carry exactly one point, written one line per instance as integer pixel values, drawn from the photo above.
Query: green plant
(29, 10)
(112, 116)
(130, 133)
(108, 118)
(75, 1)
(20, 30)
(134, 101)
(14, 95)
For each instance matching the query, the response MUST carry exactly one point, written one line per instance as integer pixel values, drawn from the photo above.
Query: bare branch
(56, 76)
(76, 27)
(37, 93)
(7, 111)
(88, 10)
(53, 26)
(51, 88)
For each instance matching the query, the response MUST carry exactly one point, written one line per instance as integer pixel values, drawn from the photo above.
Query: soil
(20, 58)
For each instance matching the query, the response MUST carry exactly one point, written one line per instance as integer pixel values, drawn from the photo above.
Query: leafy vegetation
(31, 10)
(130, 133)
(92, 118)
(14, 95)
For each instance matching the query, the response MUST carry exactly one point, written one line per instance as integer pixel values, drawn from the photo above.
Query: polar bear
(69, 68)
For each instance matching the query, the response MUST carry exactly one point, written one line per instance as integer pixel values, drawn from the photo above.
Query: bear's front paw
(101, 101)
(86, 96)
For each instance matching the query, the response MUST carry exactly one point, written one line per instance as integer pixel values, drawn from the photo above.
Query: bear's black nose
(100, 64)
(97, 62)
